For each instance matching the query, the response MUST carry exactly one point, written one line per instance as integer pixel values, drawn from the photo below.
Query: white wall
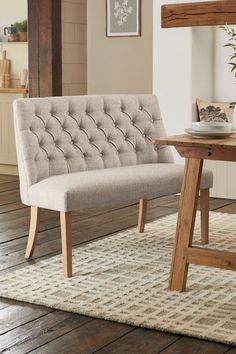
(172, 72)
(11, 11)
(202, 58)
(182, 70)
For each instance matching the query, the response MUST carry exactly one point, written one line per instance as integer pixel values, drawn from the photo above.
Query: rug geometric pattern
(124, 278)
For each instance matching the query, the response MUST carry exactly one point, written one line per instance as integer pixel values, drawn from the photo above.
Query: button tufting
(118, 129)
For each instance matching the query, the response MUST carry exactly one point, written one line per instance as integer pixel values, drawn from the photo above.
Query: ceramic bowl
(212, 126)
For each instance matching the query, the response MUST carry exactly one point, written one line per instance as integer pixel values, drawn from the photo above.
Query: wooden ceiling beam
(207, 13)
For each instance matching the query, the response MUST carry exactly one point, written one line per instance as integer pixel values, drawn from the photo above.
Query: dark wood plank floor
(26, 328)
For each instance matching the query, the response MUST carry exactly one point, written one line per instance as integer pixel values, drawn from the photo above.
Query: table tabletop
(185, 140)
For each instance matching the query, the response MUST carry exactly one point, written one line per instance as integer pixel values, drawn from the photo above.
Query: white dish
(208, 134)
(211, 127)
(213, 123)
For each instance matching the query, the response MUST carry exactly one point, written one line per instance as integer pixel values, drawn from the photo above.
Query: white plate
(209, 134)
(212, 127)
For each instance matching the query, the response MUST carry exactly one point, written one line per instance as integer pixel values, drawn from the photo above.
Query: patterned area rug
(124, 278)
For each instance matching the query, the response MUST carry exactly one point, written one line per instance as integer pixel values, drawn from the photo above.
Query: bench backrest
(59, 135)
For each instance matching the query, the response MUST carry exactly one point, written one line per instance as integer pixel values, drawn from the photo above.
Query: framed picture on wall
(123, 18)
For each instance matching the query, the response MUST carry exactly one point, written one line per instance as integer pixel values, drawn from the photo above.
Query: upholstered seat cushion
(110, 186)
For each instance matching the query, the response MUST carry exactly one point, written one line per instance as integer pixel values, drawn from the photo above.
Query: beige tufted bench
(92, 151)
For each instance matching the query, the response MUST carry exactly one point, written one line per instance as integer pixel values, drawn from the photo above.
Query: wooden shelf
(14, 43)
(17, 90)
(207, 13)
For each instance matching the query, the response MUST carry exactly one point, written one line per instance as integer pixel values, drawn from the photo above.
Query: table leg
(185, 224)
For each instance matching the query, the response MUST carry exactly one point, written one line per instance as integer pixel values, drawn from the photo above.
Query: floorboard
(30, 328)
(86, 339)
(43, 330)
(185, 344)
(140, 341)
(18, 314)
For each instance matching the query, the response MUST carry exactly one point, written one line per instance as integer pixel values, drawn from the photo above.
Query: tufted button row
(91, 141)
(103, 110)
(85, 155)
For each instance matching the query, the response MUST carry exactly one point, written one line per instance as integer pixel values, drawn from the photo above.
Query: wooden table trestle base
(195, 151)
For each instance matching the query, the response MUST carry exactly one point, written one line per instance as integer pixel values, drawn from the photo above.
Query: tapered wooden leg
(142, 214)
(34, 222)
(204, 205)
(66, 240)
(185, 224)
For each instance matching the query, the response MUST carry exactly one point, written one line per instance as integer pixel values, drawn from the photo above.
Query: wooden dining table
(195, 151)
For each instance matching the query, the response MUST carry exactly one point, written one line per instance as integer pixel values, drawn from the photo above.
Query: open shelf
(12, 43)
(206, 13)
(16, 90)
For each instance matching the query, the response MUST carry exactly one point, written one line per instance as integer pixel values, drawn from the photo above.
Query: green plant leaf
(21, 26)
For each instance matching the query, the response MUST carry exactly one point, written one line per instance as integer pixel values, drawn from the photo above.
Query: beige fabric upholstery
(76, 152)
(110, 186)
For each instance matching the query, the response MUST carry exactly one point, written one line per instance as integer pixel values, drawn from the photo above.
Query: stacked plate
(211, 129)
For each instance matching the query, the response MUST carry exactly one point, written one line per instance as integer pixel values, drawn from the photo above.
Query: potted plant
(21, 28)
(231, 33)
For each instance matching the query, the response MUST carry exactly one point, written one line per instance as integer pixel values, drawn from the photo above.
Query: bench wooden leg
(142, 215)
(66, 240)
(204, 206)
(185, 224)
(34, 222)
